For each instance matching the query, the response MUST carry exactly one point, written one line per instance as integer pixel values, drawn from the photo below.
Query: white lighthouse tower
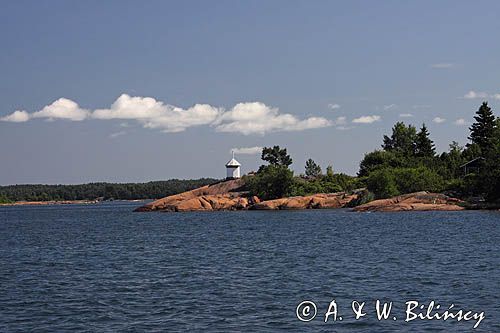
(233, 169)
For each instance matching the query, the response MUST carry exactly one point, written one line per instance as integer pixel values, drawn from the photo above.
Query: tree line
(276, 180)
(407, 163)
(104, 191)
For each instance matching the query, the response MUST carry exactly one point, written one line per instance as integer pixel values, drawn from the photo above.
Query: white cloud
(63, 108)
(247, 150)
(366, 119)
(154, 114)
(258, 118)
(390, 106)
(340, 120)
(16, 117)
(460, 122)
(244, 118)
(117, 134)
(127, 107)
(334, 106)
(496, 96)
(405, 115)
(178, 119)
(443, 65)
(438, 120)
(475, 94)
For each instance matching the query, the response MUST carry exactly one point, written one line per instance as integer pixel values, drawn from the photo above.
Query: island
(229, 195)
(405, 175)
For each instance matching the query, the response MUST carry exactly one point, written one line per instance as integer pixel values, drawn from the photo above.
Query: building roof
(233, 163)
(472, 161)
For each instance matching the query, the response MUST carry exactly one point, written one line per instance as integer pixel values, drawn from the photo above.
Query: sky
(134, 91)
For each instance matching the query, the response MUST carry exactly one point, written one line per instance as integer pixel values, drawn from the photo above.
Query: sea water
(103, 268)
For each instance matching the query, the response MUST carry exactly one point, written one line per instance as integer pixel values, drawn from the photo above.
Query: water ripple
(103, 268)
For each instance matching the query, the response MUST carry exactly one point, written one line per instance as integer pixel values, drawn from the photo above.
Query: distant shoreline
(63, 202)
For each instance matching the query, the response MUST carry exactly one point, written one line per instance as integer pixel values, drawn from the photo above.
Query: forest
(407, 162)
(103, 191)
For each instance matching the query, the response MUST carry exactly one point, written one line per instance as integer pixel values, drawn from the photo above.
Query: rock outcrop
(315, 201)
(215, 202)
(192, 198)
(419, 201)
(228, 195)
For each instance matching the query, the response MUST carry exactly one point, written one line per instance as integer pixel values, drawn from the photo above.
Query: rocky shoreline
(418, 201)
(52, 202)
(61, 202)
(229, 195)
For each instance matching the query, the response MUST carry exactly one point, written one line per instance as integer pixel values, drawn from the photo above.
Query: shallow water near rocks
(102, 268)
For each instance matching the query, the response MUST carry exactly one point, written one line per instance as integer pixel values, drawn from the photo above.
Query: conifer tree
(402, 139)
(424, 146)
(482, 132)
(312, 169)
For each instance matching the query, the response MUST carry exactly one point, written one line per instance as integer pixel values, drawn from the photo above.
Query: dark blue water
(102, 268)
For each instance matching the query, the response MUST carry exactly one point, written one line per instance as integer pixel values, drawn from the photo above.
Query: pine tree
(482, 132)
(312, 169)
(329, 171)
(276, 156)
(402, 139)
(424, 146)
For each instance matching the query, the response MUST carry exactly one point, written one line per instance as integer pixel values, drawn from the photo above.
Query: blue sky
(137, 91)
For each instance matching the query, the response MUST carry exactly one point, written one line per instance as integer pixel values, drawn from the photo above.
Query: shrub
(385, 183)
(410, 180)
(382, 183)
(271, 182)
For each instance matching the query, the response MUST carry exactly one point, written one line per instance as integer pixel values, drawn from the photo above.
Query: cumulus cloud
(244, 118)
(127, 107)
(366, 119)
(405, 115)
(16, 117)
(258, 118)
(247, 150)
(438, 120)
(496, 96)
(63, 108)
(443, 65)
(460, 122)
(334, 106)
(475, 94)
(154, 114)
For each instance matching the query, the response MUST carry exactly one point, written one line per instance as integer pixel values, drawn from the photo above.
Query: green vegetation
(106, 191)
(276, 180)
(406, 163)
(312, 169)
(4, 200)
